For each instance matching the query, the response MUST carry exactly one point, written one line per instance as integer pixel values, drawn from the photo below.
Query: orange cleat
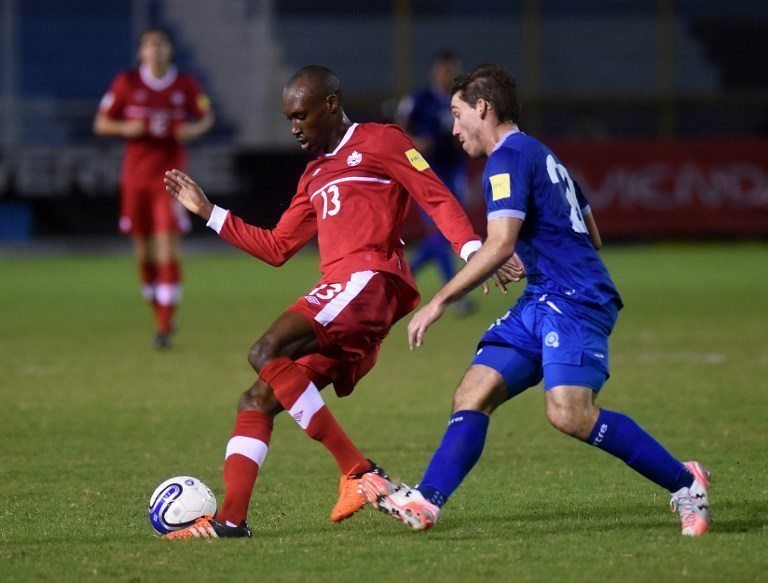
(351, 497)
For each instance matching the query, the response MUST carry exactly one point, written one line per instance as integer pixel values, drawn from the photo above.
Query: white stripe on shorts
(252, 448)
(554, 307)
(355, 285)
(305, 407)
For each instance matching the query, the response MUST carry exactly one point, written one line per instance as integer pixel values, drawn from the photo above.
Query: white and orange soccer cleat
(351, 497)
(400, 501)
(693, 503)
(207, 527)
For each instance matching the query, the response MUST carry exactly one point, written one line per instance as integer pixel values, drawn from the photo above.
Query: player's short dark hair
(320, 77)
(157, 29)
(494, 85)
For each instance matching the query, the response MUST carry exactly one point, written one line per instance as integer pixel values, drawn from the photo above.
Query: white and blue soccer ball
(178, 502)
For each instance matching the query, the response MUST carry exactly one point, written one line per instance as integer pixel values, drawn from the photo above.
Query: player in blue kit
(426, 116)
(557, 331)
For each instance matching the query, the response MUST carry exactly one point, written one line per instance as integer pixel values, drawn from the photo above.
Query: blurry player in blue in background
(557, 331)
(426, 116)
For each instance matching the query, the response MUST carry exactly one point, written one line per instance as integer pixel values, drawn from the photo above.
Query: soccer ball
(178, 502)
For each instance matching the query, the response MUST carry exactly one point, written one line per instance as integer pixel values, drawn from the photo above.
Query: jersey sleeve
(296, 227)
(506, 185)
(409, 168)
(115, 99)
(582, 199)
(198, 103)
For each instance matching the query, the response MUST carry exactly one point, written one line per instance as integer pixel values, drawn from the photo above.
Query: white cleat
(400, 501)
(693, 503)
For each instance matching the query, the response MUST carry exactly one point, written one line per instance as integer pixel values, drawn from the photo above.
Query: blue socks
(459, 451)
(614, 433)
(622, 437)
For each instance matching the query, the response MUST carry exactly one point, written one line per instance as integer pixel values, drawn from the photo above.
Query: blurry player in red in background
(157, 110)
(353, 195)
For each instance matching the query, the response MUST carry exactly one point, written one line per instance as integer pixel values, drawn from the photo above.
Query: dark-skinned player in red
(353, 195)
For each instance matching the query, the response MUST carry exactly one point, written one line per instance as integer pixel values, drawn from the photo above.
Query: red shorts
(146, 210)
(351, 317)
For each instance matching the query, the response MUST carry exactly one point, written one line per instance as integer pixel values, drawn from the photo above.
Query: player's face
(310, 117)
(467, 126)
(155, 50)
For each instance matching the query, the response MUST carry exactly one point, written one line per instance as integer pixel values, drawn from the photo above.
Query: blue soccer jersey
(524, 179)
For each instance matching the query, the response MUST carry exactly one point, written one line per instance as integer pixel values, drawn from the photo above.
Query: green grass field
(93, 419)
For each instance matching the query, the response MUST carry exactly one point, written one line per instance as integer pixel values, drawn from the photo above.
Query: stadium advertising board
(673, 188)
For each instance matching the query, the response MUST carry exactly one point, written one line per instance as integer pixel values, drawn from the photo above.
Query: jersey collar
(504, 138)
(343, 141)
(158, 84)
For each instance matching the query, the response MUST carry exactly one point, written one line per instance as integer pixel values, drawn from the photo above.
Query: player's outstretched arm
(188, 193)
(498, 248)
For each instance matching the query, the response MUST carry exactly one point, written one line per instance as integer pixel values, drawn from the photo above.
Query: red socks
(148, 279)
(161, 287)
(302, 400)
(246, 451)
(167, 295)
(249, 442)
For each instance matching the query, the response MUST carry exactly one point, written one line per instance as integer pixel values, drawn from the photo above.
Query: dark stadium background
(659, 106)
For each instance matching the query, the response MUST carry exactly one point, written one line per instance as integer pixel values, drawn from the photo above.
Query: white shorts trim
(355, 285)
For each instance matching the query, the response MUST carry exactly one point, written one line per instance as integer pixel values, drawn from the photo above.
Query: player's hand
(188, 193)
(422, 320)
(134, 128)
(512, 270)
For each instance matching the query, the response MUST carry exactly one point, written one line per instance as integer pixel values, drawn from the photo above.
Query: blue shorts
(550, 337)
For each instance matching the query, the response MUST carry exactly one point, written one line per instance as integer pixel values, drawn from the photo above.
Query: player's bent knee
(574, 422)
(561, 421)
(259, 397)
(481, 389)
(260, 354)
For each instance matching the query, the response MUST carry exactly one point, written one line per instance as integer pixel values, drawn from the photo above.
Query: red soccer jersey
(162, 104)
(355, 199)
